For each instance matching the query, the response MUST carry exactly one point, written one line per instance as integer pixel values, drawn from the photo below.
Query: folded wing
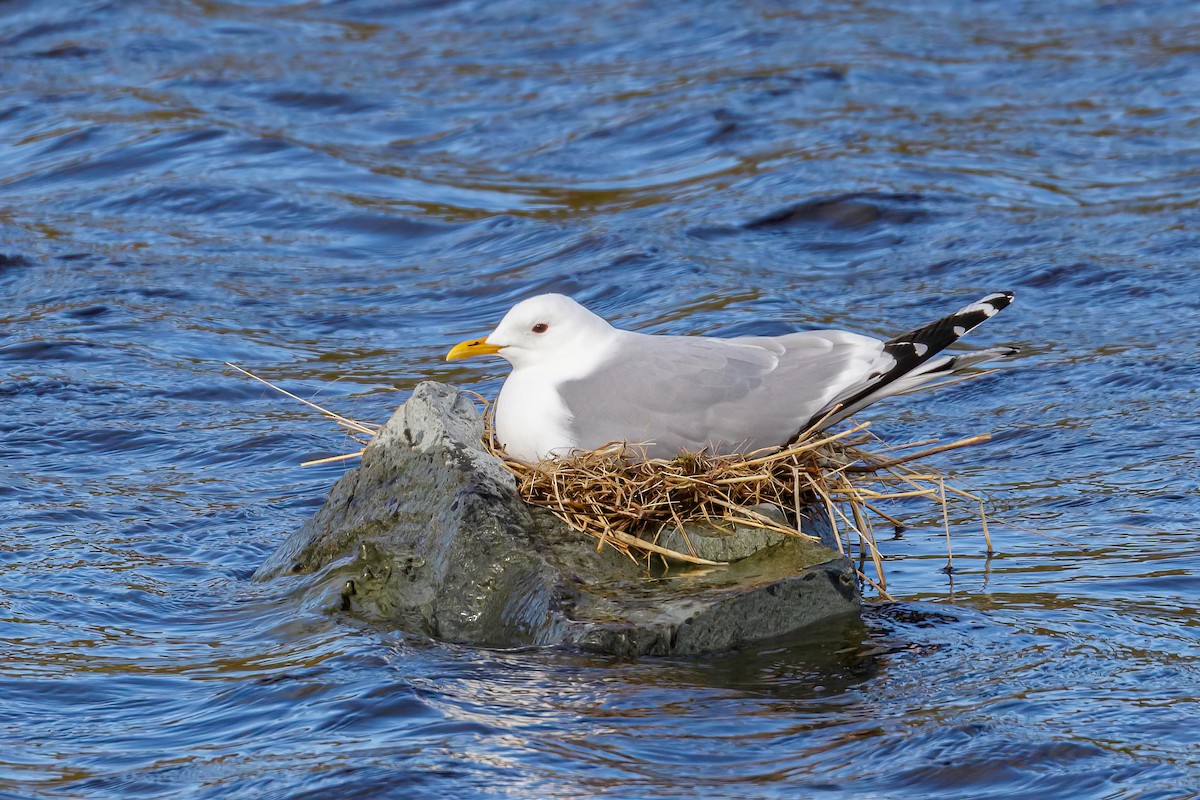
(672, 393)
(726, 395)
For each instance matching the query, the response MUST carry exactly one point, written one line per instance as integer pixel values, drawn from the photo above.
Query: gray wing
(728, 395)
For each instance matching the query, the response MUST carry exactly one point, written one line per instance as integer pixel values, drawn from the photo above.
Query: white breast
(532, 422)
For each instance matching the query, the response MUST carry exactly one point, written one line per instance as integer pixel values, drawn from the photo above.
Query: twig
(349, 423)
(332, 459)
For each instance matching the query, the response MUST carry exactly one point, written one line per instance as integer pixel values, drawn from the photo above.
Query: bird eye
(541, 327)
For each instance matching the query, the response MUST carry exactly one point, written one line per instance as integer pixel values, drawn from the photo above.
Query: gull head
(542, 329)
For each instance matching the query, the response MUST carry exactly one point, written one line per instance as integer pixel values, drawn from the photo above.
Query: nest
(626, 501)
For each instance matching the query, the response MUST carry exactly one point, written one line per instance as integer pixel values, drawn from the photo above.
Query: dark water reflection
(334, 192)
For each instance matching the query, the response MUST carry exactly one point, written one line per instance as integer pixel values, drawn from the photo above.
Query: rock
(429, 535)
(737, 542)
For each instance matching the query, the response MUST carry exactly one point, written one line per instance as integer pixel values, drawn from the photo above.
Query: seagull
(578, 383)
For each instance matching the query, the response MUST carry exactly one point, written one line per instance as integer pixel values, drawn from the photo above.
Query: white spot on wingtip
(986, 306)
(959, 330)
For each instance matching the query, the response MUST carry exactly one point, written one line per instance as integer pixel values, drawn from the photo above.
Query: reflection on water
(334, 193)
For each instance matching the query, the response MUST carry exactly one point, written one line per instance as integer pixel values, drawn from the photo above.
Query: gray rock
(736, 542)
(429, 535)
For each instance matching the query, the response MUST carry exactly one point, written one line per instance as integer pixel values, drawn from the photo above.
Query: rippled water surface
(332, 193)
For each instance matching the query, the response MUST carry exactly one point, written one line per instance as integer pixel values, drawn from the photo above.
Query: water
(333, 193)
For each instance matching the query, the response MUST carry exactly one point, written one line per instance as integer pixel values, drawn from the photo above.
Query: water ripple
(332, 194)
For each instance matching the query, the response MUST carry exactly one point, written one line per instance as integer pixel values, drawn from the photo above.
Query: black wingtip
(918, 346)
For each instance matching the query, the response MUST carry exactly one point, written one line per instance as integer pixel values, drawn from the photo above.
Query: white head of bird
(549, 327)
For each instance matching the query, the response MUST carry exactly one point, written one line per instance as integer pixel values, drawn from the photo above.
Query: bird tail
(910, 359)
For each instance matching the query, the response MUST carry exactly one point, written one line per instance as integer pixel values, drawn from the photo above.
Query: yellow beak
(471, 347)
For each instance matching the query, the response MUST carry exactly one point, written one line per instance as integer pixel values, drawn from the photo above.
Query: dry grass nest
(627, 501)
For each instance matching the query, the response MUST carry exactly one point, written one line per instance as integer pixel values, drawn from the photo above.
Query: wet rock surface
(429, 535)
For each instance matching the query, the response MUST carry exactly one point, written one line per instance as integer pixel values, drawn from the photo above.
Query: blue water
(333, 193)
